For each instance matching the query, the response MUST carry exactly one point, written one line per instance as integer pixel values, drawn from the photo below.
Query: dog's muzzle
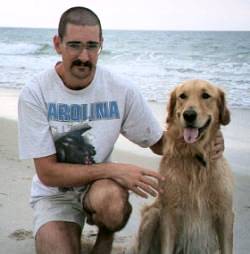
(192, 133)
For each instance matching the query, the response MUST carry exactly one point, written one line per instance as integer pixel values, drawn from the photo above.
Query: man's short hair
(78, 16)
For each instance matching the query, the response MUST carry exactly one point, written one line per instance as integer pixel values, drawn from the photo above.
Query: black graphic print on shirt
(73, 147)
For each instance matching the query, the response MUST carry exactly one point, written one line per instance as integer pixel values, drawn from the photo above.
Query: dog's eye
(183, 96)
(205, 96)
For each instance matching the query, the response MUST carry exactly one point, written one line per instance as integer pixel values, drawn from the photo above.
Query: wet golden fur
(194, 214)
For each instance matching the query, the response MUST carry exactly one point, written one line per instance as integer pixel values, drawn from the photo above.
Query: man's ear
(101, 42)
(57, 44)
(171, 106)
(224, 114)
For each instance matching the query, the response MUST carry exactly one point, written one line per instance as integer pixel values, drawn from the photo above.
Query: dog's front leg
(148, 231)
(224, 228)
(167, 232)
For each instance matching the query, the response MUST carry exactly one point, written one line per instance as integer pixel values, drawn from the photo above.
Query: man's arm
(157, 148)
(56, 174)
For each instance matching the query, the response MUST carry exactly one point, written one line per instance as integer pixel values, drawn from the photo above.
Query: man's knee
(109, 205)
(117, 215)
(58, 237)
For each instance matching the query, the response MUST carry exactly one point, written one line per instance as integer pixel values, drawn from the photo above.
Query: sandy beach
(16, 215)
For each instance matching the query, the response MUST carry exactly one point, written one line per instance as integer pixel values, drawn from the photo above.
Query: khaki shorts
(59, 207)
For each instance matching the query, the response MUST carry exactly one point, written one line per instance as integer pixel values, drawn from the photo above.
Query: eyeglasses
(76, 47)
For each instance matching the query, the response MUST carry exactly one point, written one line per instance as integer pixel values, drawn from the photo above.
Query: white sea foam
(18, 48)
(156, 61)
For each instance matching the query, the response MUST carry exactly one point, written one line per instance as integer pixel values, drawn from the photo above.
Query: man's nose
(84, 55)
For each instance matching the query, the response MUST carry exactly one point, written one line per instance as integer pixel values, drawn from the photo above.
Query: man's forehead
(73, 30)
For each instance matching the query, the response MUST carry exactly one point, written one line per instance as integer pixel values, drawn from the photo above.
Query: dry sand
(16, 215)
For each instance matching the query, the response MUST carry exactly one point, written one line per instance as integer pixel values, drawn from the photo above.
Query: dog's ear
(224, 114)
(171, 106)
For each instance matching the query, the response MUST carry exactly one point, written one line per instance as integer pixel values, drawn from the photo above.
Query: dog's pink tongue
(190, 134)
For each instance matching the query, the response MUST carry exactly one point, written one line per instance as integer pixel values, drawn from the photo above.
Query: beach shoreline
(16, 215)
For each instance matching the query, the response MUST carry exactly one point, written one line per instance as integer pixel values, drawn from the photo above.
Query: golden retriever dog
(194, 213)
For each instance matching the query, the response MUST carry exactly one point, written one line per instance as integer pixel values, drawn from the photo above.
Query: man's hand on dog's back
(139, 180)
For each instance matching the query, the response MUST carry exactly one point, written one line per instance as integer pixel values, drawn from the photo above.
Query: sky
(134, 14)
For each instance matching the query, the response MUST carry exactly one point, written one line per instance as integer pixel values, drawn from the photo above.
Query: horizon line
(137, 29)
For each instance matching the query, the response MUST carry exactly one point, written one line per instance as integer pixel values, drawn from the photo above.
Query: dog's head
(195, 107)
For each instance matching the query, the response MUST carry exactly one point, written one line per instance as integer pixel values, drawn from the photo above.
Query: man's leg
(58, 222)
(107, 204)
(58, 237)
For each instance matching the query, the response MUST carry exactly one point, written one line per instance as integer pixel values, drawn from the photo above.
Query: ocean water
(155, 60)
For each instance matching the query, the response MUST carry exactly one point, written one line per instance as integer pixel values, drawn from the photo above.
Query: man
(69, 120)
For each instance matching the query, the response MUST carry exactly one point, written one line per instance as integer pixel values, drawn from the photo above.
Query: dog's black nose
(190, 116)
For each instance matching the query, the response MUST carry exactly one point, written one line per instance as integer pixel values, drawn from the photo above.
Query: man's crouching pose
(69, 118)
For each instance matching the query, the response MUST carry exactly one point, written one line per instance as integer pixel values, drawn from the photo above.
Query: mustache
(78, 62)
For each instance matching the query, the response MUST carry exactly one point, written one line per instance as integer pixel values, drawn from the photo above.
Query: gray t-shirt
(110, 105)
